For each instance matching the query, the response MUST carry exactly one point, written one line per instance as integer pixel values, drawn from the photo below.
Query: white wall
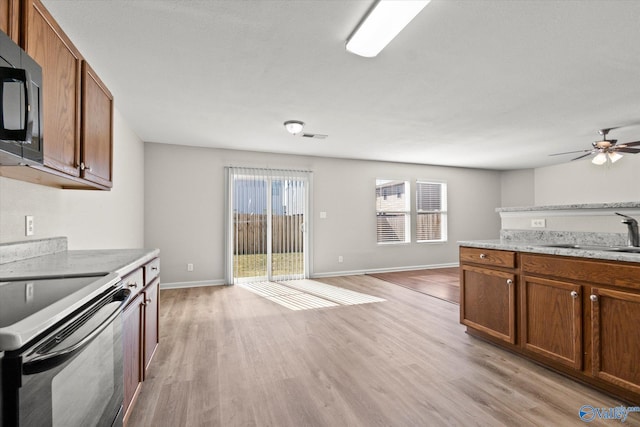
(184, 210)
(517, 188)
(583, 182)
(90, 219)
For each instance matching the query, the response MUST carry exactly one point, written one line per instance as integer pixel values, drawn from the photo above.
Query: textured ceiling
(489, 83)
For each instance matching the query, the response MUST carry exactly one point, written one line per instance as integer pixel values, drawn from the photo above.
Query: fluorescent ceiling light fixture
(383, 22)
(294, 127)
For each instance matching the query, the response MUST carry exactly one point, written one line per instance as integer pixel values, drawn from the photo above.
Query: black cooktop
(20, 299)
(31, 306)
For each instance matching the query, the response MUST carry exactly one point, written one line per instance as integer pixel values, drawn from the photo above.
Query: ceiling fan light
(294, 127)
(382, 24)
(599, 159)
(614, 156)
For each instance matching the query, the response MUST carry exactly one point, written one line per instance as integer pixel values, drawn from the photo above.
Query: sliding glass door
(266, 224)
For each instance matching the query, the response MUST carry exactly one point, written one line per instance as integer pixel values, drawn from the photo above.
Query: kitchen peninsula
(569, 300)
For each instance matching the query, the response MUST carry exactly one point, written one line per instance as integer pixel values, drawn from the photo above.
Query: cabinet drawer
(151, 270)
(595, 271)
(134, 282)
(492, 257)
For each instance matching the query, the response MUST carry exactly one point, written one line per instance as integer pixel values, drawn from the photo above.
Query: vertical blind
(268, 209)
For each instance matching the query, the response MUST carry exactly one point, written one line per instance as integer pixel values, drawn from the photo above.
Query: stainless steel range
(61, 348)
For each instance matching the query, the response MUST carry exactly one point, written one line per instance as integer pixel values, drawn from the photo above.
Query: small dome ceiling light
(294, 127)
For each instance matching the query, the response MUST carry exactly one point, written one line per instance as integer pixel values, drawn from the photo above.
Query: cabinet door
(45, 42)
(132, 332)
(96, 129)
(487, 301)
(615, 339)
(151, 322)
(551, 319)
(10, 19)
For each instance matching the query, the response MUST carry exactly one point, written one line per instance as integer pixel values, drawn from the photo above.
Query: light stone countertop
(613, 205)
(78, 263)
(539, 248)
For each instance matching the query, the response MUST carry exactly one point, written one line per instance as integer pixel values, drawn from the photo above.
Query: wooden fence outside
(250, 233)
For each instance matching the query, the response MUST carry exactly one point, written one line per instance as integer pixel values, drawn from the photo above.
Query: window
(431, 211)
(392, 211)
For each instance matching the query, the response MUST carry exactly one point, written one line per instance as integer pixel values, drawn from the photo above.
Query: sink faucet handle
(628, 219)
(633, 238)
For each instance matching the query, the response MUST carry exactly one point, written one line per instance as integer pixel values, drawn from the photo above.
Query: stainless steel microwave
(21, 130)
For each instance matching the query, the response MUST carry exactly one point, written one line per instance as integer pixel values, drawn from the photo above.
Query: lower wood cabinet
(615, 337)
(575, 315)
(151, 322)
(551, 319)
(488, 301)
(141, 329)
(132, 327)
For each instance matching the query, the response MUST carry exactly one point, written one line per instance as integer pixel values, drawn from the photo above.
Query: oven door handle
(49, 361)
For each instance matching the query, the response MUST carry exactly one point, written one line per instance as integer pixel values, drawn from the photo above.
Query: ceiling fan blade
(630, 144)
(571, 152)
(628, 150)
(580, 157)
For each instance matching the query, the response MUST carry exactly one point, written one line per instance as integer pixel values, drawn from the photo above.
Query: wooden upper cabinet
(96, 129)
(45, 42)
(551, 319)
(10, 19)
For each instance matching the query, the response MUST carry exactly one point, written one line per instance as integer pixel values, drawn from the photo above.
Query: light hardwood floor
(443, 283)
(228, 357)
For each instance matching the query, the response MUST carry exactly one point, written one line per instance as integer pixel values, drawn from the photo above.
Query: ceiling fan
(605, 149)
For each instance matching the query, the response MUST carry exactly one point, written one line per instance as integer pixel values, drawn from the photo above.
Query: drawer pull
(593, 297)
(509, 282)
(133, 285)
(483, 256)
(574, 294)
(154, 268)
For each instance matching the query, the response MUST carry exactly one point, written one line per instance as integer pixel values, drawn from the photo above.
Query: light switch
(323, 215)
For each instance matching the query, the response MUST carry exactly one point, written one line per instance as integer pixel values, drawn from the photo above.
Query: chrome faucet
(632, 225)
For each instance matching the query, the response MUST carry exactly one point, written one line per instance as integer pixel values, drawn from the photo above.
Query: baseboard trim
(384, 270)
(193, 284)
(221, 282)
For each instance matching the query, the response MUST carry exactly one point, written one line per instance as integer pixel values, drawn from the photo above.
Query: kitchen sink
(582, 247)
(629, 249)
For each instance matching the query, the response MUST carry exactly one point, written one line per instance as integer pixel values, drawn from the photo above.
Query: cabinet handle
(84, 167)
(574, 294)
(483, 256)
(148, 300)
(509, 282)
(593, 298)
(154, 268)
(133, 285)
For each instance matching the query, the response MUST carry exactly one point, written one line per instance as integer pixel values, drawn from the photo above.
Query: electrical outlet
(340, 259)
(538, 223)
(323, 215)
(29, 229)
(189, 267)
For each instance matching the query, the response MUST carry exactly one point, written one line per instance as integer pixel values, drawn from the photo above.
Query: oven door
(74, 376)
